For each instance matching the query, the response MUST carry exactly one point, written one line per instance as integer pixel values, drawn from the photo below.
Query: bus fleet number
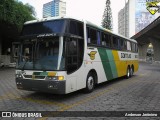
(125, 55)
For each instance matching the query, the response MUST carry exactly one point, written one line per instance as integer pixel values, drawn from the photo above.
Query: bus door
(72, 55)
(74, 52)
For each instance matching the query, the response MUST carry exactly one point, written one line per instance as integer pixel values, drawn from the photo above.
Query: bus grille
(36, 77)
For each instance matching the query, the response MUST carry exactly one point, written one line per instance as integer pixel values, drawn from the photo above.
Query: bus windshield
(42, 54)
(56, 26)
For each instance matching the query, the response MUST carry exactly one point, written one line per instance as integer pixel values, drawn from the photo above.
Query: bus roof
(85, 21)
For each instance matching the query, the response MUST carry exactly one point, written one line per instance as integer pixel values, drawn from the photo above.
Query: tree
(13, 14)
(107, 16)
(31, 9)
(16, 13)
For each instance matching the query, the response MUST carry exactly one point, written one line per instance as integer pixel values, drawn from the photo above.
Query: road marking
(78, 103)
(65, 107)
(29, 99)
(120, 85)
(8, 96)
(44, 102)
(144, 74)
(85, 100)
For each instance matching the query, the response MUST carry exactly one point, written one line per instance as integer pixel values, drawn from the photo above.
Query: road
(139, 93)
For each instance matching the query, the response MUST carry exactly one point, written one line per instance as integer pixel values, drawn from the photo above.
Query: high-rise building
(134, 17)
(123, 21)
(54, 8)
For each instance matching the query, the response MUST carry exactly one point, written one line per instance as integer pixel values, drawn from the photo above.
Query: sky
(91, 10)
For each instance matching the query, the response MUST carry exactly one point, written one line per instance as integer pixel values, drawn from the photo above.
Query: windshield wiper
(24, 64)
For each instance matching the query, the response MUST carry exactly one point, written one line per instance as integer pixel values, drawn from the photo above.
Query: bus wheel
(131, 72)
(128, 73)
(90, 83)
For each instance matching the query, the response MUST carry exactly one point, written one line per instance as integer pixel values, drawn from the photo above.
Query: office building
(123, 21)
(54, 8)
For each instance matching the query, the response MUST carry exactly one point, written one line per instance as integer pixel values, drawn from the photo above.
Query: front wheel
(90, 83)
(131, 72)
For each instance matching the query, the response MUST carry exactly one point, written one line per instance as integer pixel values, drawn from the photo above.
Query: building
(134, 17)
(54, 8)
(123, 22)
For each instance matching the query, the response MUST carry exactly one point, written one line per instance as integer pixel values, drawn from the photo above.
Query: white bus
(62, 55)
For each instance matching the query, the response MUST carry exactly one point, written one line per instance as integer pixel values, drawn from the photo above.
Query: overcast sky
(91, 10)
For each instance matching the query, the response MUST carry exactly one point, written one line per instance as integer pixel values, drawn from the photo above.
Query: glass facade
(54, 8)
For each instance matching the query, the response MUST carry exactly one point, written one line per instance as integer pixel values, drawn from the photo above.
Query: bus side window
(136, 48)
(76, 28)
(88, 35)
(80, 29)
(121, 44)
(98, 38)
(115, 42)
(133, 47)
(106, 40)
(128, 46)
(91, 36)
(103, 39)
(125, 45)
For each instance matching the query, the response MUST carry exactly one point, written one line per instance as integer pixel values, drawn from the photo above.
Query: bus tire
(90, 83)
(128, 72)
(131, 71)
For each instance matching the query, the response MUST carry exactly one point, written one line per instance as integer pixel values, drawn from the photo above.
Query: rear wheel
(131, 72)
(90, 83)
(128, 73)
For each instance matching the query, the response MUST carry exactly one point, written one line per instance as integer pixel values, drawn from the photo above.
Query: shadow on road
(77, 94)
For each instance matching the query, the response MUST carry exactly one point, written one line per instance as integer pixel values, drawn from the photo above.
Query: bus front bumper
(55, 87)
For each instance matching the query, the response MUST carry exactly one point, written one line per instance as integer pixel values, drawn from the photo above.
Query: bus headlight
(52, 78)
(55, 78)
(18, 76)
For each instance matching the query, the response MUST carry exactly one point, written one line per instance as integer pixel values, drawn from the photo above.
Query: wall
(156, 48)
(142, 52)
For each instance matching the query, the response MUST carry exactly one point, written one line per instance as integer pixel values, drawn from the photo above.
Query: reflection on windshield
(41, 55)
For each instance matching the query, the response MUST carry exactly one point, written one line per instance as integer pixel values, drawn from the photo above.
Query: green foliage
(15, 12)
(107, 16)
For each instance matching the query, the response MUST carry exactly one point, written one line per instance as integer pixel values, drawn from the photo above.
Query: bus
(61, 55)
